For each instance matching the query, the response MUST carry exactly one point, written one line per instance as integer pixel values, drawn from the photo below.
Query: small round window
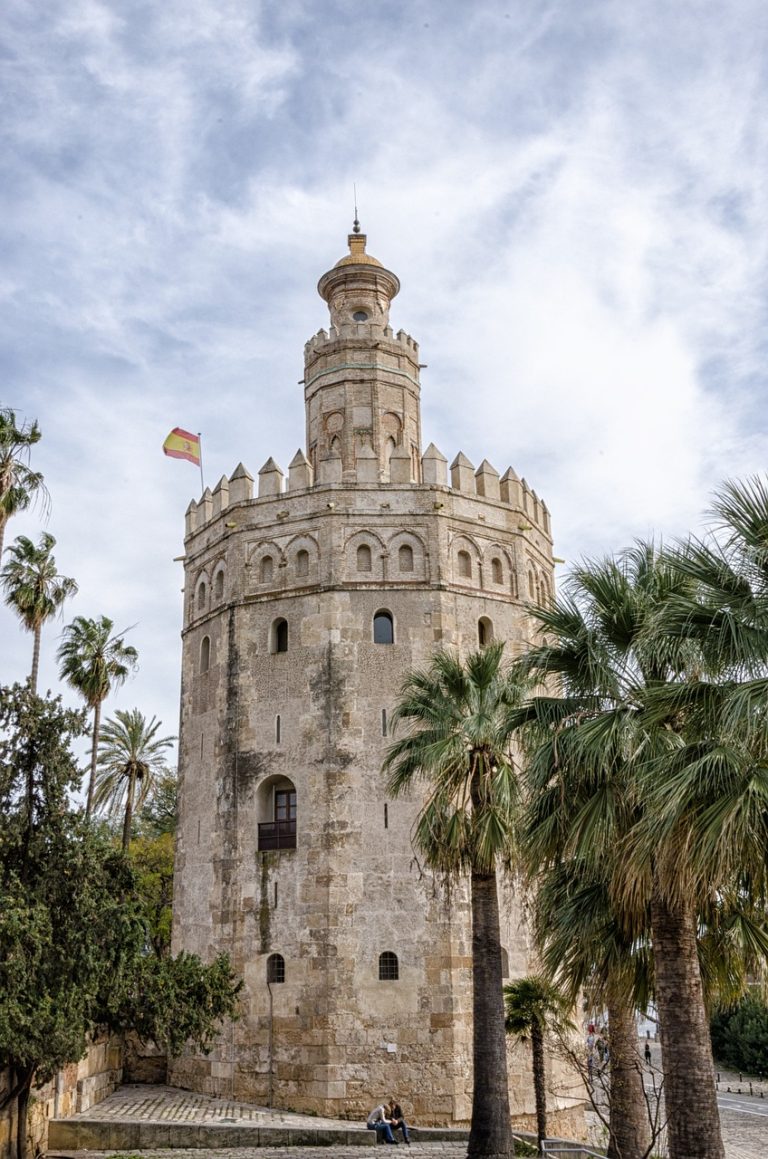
(360, 316)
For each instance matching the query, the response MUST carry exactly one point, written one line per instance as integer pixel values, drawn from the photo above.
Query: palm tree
(586, 951)
(34, 589)
(614, 741)
(458, 747)
(129, 752)
(19, 484)
(533, 1006)
(93, 661)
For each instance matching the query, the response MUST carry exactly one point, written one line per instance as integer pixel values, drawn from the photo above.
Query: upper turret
(358, 288)
(361, 381)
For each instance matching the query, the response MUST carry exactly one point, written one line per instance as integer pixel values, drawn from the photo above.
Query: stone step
(84, 1134)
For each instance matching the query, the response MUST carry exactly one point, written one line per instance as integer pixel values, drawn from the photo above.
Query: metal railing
(277, 835)
(558, 1149)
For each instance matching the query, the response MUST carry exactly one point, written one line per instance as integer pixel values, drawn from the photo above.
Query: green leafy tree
(152, 861)
(740, 1035)
(70, 927)
(72, 930)
(19, 484)
(533, 1008)
(457, 749)
(130, 755)
(159, 813)
(93, 660)
(34, 589)
(175, 1001)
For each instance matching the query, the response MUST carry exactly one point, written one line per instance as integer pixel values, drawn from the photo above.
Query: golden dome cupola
(358, 289)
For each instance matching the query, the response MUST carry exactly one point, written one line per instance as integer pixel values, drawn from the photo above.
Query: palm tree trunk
(693, 1121)
(94, 754)
(629, 1126)
(129, 808)
(3, 522)
(35, 658)
(490, 1132)
(539, 1084)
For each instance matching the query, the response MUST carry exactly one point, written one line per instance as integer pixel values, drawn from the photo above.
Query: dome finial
(356, 223)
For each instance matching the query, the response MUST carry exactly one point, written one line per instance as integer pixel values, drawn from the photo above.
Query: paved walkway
(744, 1122)
(168, 1106)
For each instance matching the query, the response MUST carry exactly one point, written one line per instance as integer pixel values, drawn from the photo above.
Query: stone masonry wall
(77, 1087)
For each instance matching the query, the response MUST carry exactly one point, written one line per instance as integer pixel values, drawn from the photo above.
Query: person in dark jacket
(397, 1120)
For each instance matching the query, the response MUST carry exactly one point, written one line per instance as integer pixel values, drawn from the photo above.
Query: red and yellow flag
(182, 445)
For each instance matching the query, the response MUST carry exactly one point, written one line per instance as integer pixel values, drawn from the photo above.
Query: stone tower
(305, 607)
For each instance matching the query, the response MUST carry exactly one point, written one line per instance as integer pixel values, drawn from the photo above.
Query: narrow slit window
(201, 590)
(497, 574)
(278, 729)
(218, 585)
(383, 722)
(386, 815)
(275, 901)
(205, 653)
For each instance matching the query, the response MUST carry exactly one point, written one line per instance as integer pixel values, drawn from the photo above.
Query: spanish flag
(182, 445)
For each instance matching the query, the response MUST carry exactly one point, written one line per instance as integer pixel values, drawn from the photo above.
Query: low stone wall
(143, 1062)
(75, 1088)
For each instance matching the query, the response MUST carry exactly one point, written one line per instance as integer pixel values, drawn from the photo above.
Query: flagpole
(200, 445)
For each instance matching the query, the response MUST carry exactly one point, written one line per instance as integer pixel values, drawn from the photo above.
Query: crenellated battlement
(319, 342)
(482, 483)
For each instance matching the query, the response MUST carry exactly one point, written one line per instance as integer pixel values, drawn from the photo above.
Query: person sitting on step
(397, 1120)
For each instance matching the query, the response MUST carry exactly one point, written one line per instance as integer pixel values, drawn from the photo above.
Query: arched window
(389, 970)
(484, 631)
(363, 557)
(302, 562)
(405, 557)
(383, 628)
(205, 653)
(465, 564)
(218, 584)
(497, 573)
(201, 590)
(531, 585)
(278, 830)
(275, 968)
(279, 636)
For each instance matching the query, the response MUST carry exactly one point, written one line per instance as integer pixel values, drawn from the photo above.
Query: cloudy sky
(572, 192)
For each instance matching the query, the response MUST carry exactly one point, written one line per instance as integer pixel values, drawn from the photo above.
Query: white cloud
(572, 195)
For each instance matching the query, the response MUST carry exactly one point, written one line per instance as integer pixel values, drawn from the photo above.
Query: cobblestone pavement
(170, 1105)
